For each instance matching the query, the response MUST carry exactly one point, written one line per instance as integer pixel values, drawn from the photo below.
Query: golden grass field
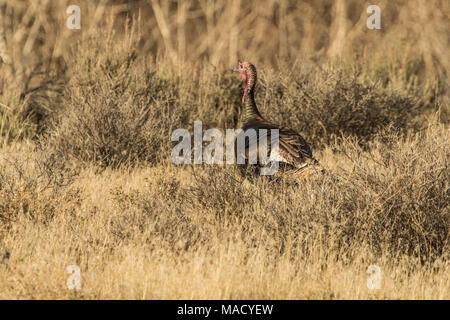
(86, 176)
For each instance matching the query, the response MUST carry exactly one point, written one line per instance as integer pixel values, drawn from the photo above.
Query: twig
(164, 29)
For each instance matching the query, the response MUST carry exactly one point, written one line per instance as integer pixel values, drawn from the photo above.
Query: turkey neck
(251, 111)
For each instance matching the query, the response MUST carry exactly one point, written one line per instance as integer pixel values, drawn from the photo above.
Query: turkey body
(293, 150)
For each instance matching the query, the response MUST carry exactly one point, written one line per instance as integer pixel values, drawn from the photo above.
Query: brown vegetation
(85, 171)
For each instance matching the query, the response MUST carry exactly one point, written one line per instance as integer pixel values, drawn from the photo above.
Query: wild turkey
(294, 152)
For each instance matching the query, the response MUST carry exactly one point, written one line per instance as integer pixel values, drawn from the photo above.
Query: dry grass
(86, 177)
(170, 232)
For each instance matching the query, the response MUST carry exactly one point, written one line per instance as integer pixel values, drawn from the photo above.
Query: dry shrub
(32, 188)
(396, 194)
(224, 195)
(216, 98)
(387, 205)
(118, 110)
(390, 201)
(35, 44)
(324, 103)
(163, 232)
(115, 112)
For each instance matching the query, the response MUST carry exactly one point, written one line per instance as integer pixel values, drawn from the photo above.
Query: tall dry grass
(409, 50)
(167, 232)
(85, 171)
